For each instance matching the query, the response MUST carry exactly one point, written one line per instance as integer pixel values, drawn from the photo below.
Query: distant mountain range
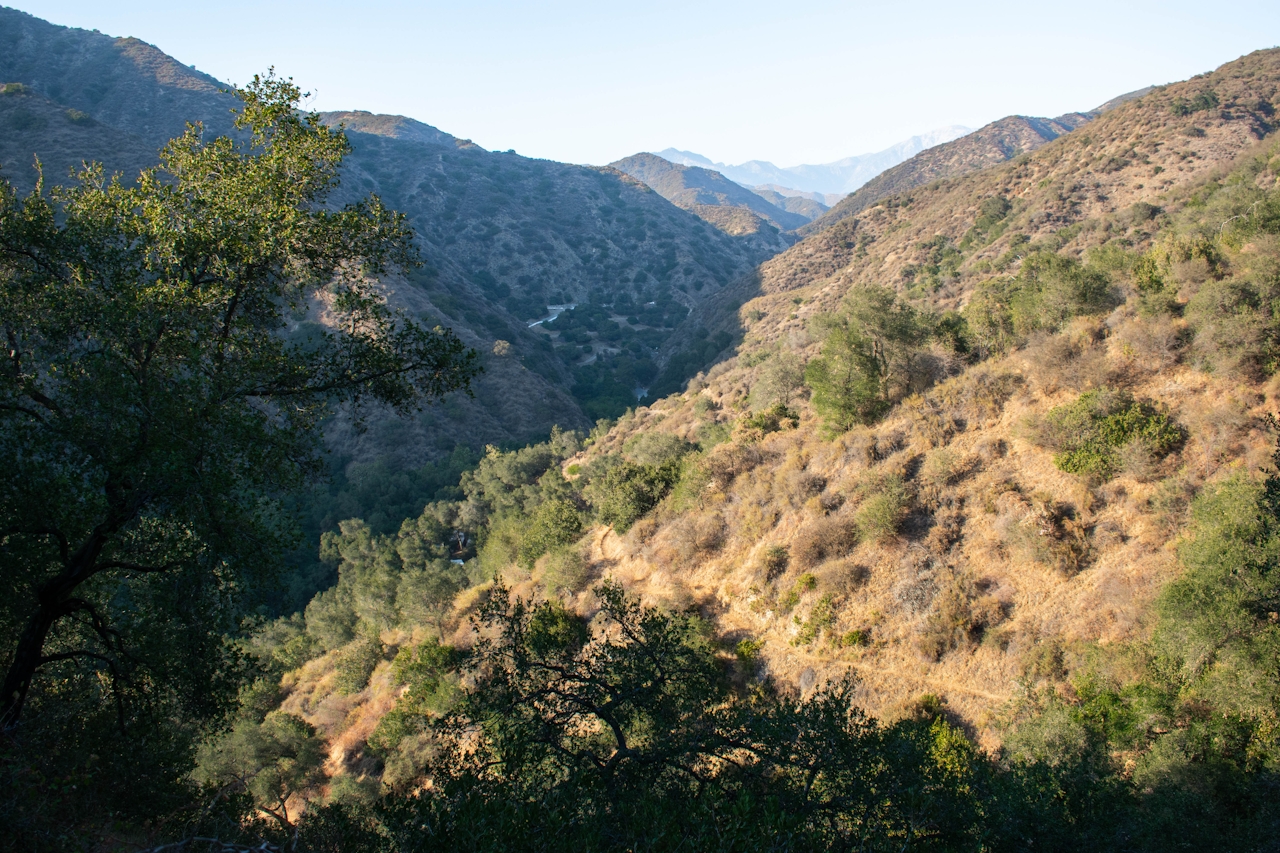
(832, 180)
(730, 207)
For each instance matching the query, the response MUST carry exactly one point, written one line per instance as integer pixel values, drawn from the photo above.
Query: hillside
(709, 195)
(950, 522)
(503, 237)
(1160, 165)
(945, 548)
(988, 146)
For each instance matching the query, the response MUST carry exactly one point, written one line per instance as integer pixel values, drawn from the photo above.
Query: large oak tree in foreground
(151, 402)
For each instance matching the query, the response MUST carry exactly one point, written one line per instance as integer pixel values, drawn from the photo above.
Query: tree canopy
(153, 404)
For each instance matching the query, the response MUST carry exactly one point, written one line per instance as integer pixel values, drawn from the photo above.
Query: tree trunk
(53, 601)
(26, 660)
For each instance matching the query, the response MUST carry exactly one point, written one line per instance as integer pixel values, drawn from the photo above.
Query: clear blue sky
(789, 82)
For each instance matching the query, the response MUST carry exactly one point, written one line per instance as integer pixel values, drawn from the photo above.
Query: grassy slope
(987, 146)
(1076, 192)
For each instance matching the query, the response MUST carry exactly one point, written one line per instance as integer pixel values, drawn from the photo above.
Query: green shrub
(555, 522)
(1048, 290)
(880, 514)
(772, 419)
(821, 617)
(1090, 433)
(748, 652)
(627, 491)
(354, 665)
(566, 571)
(870, 358)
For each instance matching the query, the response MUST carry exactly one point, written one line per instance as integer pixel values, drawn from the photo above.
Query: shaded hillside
(502, 237)
(68, 139)
(995, 143)
(123, 83)
(711, 196)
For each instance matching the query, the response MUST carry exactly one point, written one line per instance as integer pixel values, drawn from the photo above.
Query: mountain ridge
(837, 178)
(707, 193)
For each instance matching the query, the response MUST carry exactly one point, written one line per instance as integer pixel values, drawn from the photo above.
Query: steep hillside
(123, 83)
(1010, 506)
(995, 143)
(68, 139)
(1179, 165)
(710, 195)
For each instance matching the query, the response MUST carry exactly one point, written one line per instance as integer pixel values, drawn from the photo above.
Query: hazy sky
(791, 82)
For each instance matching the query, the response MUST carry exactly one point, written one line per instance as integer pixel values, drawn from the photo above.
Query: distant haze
(832, 180)
(584, 81)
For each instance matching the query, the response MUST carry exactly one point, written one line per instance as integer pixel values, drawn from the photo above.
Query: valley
(939, 511)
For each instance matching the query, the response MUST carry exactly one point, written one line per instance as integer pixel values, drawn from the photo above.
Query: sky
(789, 82)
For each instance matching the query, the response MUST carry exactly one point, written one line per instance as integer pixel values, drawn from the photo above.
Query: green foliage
(1048, 290)
(628, 491)
(152, 411)
(384, 581)
(355, 663)
(554, 523)
(940, 264)
(778, 382)
(821, 618)
(770, 420)
(566, 571)
(869, 358)
(1206, 100)
(989, 224)
(883, 510)
(1088, 435)
(271, 758)
(427, 671)
(655, 448)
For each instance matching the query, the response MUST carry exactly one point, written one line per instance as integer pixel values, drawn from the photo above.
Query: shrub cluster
(1091, 434)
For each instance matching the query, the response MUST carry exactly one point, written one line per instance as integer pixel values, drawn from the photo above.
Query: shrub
(355, 663)
(821, 617)
(1237, 324)
(870, 358)
(628, 491)
(772, 419)
(856, 637)
(556, 522)
(959, 620)
(880, 514)
(566, 571)
(774, 561)
(829, 537)
(655, 448)
(748, 652)
(1090, 433)
(1048, 290)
